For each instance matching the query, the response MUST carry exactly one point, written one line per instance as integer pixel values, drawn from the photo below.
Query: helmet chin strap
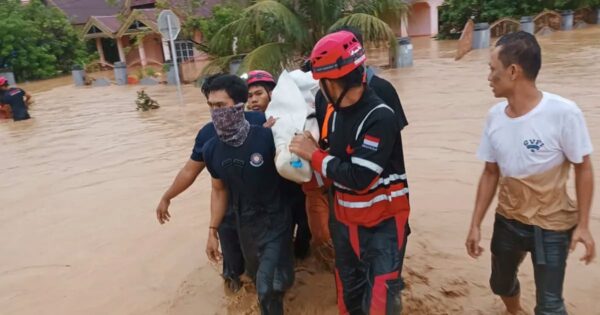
(336, 104)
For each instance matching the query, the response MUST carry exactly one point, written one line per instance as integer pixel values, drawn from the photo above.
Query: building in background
(128, 31)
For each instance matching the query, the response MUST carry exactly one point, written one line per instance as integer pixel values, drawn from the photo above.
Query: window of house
(185, 50)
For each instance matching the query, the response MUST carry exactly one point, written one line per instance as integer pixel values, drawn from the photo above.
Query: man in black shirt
(233, 260)
(16, 98)
(241, 161)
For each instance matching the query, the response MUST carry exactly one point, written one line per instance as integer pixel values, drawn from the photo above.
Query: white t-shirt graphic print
(552, 132)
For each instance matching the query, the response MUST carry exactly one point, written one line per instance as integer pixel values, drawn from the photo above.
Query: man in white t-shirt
(528, 145)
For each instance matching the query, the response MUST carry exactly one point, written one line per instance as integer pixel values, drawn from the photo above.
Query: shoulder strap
(325, 128)
(358, 131)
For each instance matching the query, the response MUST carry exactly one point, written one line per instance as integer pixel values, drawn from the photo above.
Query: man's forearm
(218, 206)
(182, 182)
(184, 179)
(584, 186)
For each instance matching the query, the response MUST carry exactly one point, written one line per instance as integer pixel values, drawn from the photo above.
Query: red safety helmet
(335, 55)
(3, 81)
(258, 76)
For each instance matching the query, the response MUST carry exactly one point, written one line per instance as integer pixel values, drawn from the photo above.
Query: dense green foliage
(37, 41)
(455, 13)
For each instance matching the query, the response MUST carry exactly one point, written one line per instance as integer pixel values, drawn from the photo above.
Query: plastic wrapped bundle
(292, 102)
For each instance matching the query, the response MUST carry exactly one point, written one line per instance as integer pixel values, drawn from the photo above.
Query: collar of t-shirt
(529, 114)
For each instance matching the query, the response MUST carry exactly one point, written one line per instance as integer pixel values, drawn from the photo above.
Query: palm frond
(272, 57)
(366, 7)
(387, 10)
(219, 65)
(374, 30)
(271, 21)
(319, 15)
(222, 42)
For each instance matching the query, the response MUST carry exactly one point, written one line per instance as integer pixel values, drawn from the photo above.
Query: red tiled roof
(79, 11)
(204, 10)
(150, 14)
(111, 22)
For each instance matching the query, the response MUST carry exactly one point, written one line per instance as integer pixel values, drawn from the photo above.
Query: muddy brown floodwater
(79, 184)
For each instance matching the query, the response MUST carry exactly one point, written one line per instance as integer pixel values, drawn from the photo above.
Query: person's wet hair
(233, 85)
(521, 48)
(352, 79)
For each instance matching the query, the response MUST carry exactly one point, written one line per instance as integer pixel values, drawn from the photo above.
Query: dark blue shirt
(15, 97)
(249, 173)
(208, 132)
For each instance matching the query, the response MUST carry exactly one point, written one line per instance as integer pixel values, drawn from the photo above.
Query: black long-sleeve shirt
(365, 162)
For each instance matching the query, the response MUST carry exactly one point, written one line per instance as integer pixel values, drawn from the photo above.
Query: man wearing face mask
(233, 260)
(370, 202)
(241, 161)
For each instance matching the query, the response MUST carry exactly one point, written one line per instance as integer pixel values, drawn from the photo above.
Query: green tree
(63, 40)
(570, 4)
(274, 35)
(37, 41)
(221, 16)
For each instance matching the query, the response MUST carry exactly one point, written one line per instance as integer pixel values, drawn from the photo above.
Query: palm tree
(274, 35)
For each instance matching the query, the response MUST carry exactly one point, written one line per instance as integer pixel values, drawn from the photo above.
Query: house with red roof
(127, 30)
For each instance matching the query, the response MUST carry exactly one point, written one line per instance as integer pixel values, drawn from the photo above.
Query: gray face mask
(230, 124)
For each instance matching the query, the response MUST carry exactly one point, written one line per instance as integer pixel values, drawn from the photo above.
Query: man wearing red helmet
(369, 224)
(260, 88)
(16, 98)
(318, 205)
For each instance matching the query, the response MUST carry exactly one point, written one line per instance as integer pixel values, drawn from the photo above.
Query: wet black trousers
(266, 242)
(549, 250)
(233, 260)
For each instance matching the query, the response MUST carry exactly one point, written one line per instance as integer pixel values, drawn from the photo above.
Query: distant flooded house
(422, 19)
(128, 32)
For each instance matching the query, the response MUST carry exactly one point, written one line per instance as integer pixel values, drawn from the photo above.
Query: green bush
(139, 74)
(221, 16)
(37, 41)
(454, 14)
(150, 72)
(144, 102)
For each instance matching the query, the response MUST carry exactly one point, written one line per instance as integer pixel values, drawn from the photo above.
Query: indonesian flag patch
(370, 143)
